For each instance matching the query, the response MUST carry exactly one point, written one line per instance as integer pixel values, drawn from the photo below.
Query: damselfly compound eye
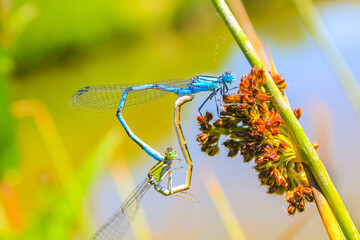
(170, 153)
(228, 77)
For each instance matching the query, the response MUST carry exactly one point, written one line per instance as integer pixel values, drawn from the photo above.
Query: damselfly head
(170, 153)
(228, 77)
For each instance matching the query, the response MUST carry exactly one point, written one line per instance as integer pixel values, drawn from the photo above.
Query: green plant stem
(326, 214)
(329, 220)
(301, 142)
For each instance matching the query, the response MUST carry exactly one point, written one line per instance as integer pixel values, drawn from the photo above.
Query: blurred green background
(63, 172)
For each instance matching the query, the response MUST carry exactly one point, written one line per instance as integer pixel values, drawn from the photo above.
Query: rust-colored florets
(256, 130)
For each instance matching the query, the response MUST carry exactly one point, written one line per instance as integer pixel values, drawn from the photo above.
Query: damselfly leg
(207, 99)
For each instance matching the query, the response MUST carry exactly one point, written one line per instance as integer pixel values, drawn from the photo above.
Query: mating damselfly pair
(108, 98)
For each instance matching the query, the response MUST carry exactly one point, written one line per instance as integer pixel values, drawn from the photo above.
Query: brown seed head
(212, 151)
(213, 139)
(202, 137)
(208, 117)
(291, 209)
(315, 144)
(298, 113)
(217, 123)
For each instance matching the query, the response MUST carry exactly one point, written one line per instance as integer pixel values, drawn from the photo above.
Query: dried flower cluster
(256, 130)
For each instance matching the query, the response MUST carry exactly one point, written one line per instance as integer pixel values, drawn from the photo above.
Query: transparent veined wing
(115, 227)
(107, 98)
